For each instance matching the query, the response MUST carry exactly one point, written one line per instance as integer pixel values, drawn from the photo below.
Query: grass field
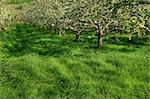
(18, 1)
(36, 64)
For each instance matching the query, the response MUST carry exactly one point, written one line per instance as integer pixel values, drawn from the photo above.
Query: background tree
(45, 13)
(75, 15)
(99, 15)
(6, 16)
(134, 17)
(128, 15)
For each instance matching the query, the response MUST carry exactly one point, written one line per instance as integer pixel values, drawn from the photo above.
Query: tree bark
(78, 36)
(100, 31)
(62, 33)
(99, 39)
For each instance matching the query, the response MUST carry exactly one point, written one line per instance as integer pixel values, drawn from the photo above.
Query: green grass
(18, 1)
(48, 66)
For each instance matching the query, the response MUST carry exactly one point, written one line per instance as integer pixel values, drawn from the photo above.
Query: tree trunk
(77, 36)
(62, 33)
(130, 36)
(99, 39)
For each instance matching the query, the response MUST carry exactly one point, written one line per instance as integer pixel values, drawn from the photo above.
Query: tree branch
(106, 26)
(94, 24)
(142, 26)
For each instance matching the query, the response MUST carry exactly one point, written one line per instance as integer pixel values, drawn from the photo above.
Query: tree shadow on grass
(26, 38)
(121, 44)
(136, 41)
(124, 49)
(52, 50)
(107, 48)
